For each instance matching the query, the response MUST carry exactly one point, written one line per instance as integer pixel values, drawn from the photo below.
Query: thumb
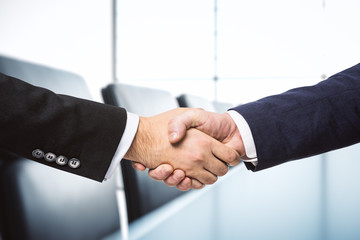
(178, 125)
(176, 129)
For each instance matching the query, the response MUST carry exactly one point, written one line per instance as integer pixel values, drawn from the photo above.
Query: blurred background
(232, 51)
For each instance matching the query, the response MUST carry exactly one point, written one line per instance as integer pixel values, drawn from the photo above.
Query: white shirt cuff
(132, 123)
(246, 135)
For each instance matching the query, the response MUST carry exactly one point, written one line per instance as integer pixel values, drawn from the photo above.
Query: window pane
(162, 39)
(270, 38)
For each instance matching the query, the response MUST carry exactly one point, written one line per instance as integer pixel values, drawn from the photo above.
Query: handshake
(186, 148)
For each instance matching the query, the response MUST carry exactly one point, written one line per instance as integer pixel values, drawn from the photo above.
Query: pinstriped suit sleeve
(305, 121)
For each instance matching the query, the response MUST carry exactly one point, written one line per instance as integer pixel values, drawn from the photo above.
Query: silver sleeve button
(37, 153)
(50, 157)
(74, 163)
(61, 160)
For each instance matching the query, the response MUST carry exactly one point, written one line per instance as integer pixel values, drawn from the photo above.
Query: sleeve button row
(60, 160)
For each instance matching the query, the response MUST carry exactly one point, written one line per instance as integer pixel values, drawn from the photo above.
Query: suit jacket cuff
(132, 123)
(246, 135)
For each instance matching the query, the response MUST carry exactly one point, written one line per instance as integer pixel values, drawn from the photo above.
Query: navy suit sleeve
(305, 121)
(36, 118)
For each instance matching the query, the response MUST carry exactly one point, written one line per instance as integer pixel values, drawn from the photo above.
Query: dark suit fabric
(36, 118)
(305, 121)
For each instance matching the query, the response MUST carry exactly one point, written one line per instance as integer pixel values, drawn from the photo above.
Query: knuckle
(235, 163)
(232, 157)
(169, 182)
(198, 157)
(199, 109)
(212, 180)
(197, 187)
(187, 167)
(194, 110)
(183, 188)
(178, 175)
(184, 185)
(195, 184)
(154, 175)
(172, 121)
(223, 170)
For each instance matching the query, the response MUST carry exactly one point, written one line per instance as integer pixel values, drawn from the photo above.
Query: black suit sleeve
(305, 121)
(36, 118)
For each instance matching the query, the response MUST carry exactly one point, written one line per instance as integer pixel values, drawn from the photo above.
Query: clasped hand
(186, 148)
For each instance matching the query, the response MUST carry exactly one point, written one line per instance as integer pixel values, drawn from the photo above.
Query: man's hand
(197, 154)
(171, 177)
(219, 126)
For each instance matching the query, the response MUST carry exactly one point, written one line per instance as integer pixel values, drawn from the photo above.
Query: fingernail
(173, 136)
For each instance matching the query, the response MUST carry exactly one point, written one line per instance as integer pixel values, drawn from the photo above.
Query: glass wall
(260, 47)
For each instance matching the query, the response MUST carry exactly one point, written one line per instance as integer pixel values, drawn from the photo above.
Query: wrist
(147, 147)
(136, 150)
(234, 139)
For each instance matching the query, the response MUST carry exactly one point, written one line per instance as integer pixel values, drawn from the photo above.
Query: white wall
(72, 35)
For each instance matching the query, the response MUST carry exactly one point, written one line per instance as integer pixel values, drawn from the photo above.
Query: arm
(35, 121)
(296, 124)
(35, 118)
(305, 121)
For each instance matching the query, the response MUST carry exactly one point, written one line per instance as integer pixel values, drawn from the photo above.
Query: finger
(225, 153)
(216, 166)
(234, 163)
(195, 184)
(178, 125)
(184, 185)
(175, 178)
(214, 163)
(138, 166)
(162, 172)
(204, 176)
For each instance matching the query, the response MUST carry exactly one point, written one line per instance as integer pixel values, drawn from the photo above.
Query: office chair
(39, 202)
(221, 107)
(192, 101)
(142, 193)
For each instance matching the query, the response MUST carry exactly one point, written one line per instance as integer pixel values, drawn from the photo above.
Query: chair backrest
(192, 101)
(39, 202)
(221, 107)
(142, 193)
